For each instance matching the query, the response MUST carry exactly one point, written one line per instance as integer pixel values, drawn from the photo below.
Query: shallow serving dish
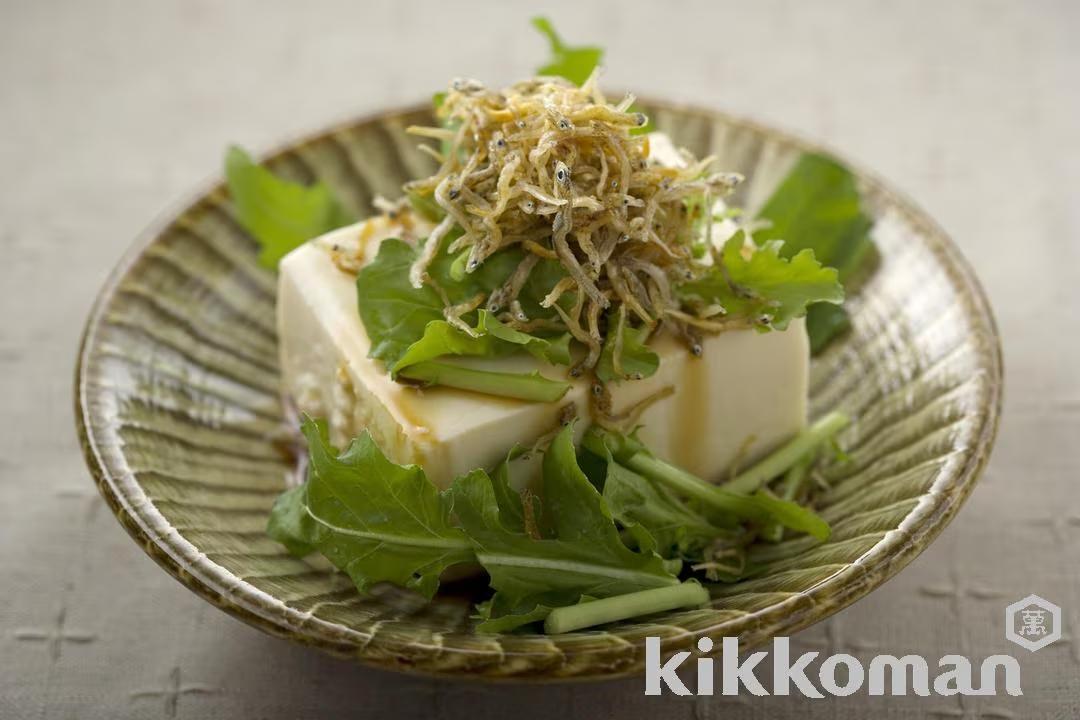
(180, 417)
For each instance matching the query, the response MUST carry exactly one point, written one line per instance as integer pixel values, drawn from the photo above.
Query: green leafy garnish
(406, 324)
(636, 360)
(573, 63)
(722, 506)
(532, 386)
(491, 338)
(642, 504)
(768, 288)
(512, 512)
(586, 556)
(495, 618)
(291, 525)
(395, 314)
(824, 321)
(569, 545)
(373, 519)
(817, 207)
(279, 214)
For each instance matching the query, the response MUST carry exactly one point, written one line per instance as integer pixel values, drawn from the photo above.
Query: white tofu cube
(745, 395)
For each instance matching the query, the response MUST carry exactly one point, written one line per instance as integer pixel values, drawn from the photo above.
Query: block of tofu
(746, 394)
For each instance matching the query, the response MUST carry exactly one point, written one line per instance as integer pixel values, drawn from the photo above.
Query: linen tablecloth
(111, 111)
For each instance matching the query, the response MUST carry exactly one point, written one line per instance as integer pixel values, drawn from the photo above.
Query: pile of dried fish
(557, 170)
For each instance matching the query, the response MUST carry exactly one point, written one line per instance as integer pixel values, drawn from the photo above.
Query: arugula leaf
(638, 502)
(586, 556)
(498, 619)
(824, 321)
(279, 214)
(373, 519)
(573, 63)
(441, 338)
(636, 359)
(817, 207)
(493, 273)
(290, 523)
(511, 509)
(555, 350)
(768, 287)
(407, 331)
(406, 325)
(394, 313)
(492, 338)
(542, 279)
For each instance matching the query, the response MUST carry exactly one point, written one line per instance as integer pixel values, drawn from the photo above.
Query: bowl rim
(183, 560)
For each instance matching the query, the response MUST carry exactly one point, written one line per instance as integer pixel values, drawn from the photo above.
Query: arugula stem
(724, 505)
(519, 561)
(621, 607)
(692, 486)
(789, 489)
(523, 386)
(786, 456)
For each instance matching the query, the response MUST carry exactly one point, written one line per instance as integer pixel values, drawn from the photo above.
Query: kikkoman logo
(1032, 623)
(838, 675)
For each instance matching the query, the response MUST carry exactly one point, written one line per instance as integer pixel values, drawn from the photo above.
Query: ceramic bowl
(181, 420)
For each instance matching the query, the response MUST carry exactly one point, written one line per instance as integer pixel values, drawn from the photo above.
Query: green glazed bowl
(181, 421)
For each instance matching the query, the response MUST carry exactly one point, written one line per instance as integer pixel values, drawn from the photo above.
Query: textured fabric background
(110, 111)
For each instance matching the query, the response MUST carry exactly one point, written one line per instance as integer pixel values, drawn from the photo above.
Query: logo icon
(1033, 623)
